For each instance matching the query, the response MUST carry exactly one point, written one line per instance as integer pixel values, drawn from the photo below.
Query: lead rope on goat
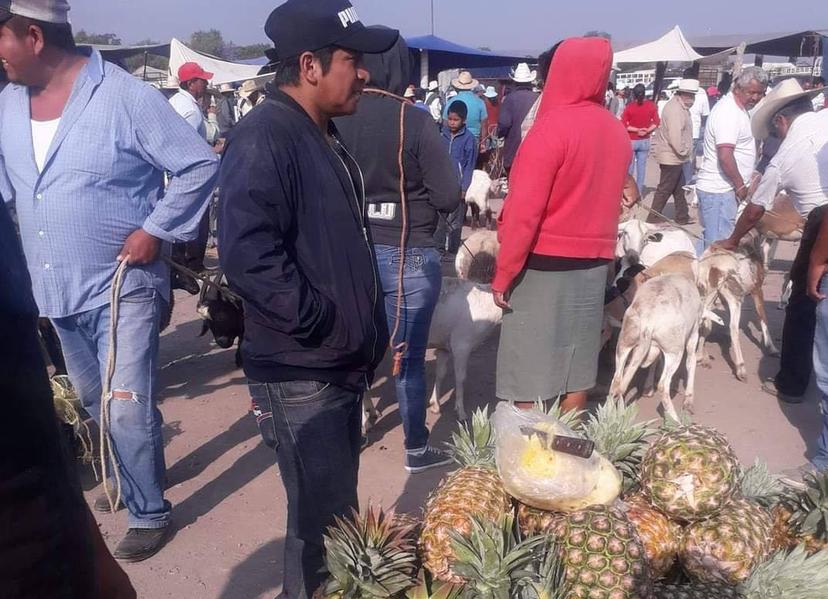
(204, 279)
(107, 449)
(399, 348)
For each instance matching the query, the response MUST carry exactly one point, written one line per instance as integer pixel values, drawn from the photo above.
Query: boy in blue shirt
(462, 147)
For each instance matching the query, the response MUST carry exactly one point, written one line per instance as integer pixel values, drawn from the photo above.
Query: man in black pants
(295, 245)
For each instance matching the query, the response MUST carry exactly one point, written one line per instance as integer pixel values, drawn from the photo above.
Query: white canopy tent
(672, 47)
(223, 71)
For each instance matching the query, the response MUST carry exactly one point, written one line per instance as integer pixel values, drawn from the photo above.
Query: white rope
(107, 449)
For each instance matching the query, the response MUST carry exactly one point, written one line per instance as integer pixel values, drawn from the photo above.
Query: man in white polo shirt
(800, 168)
(729, 155)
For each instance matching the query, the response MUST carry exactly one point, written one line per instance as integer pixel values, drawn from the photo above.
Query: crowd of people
(342, 188)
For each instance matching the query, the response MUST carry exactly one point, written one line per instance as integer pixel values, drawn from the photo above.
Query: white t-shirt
(43, 132)
(187, 106)
(800, 166)
(699, 109)
(728, 124)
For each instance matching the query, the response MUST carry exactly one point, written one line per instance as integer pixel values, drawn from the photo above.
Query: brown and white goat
(733, 276)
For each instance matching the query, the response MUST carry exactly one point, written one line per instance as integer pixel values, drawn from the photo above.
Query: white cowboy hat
(226, 88)
(688, 86)
(248, 88)
(409, 92)
(433, 86)
(491, 92)
(464, 81)
(523, 74)
(784, 93)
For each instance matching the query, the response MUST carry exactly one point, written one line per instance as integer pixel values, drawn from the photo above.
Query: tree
(596, 33)
(209, 42)
(102, 39)
(235, 52)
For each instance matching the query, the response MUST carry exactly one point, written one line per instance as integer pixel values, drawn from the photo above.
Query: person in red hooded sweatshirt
(557, 232)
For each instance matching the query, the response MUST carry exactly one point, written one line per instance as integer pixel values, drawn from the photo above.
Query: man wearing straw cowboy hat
(84, 147)
(226, 109)
(477, 120)
(514, 109)
(800, 167)
(250, 94)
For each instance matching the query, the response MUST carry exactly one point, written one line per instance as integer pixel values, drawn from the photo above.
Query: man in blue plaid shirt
(83, 150)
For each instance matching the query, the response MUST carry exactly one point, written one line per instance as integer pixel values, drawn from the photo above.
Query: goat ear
(655, 237)
(205, 326)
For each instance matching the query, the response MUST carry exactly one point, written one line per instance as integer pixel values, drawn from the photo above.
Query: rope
(399, 348)
(670, 221)
(107, 449)
(204, 279)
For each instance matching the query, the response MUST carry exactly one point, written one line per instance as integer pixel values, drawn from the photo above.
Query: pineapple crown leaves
(617, 436)
(788, 575)
(685, 419)
(550, 583)
(492, 558)
(758, 484)
(370, 556)
(474, 444)
(811, 506)
(427, 588)
(573, 419)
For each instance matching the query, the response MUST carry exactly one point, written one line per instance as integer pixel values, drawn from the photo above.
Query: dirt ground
(229, 506)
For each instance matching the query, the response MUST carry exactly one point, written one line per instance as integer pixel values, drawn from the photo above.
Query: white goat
(466, 315)
(644, 243)
(663, 320)
(478, 244)
(478, 196)
(734, 275)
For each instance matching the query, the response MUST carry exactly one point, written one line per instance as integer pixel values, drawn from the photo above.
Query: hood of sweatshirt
(389, 70)
(579, 73)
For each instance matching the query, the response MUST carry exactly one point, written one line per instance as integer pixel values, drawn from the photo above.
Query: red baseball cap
(190, 70)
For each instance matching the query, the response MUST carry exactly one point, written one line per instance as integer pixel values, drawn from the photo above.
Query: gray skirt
(549, 343)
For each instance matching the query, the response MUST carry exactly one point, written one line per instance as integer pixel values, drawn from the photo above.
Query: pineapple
(658, 534)
(802, 517)
(617, 435)
(475, 490)
(532, 521)
(787, 575)
(370, 556)
(689, 473)
(602, 555)
(492, 560)
(727, 547)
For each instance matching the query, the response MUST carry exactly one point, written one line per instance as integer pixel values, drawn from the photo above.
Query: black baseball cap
(308, 25)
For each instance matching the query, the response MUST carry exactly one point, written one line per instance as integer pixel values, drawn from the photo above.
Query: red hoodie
(567, 181)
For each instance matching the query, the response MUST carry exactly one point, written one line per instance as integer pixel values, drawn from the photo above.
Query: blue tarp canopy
(443, 55)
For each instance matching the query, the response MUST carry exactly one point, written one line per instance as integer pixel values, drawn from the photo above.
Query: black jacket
(373, 137)
(294, 244)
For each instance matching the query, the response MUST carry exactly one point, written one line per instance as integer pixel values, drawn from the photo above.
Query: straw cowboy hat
(248, 88)
(779, 97)
(523, 74)
(465, 81)
(688, 86)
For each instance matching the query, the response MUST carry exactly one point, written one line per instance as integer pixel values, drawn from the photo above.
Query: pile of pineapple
(691, 523)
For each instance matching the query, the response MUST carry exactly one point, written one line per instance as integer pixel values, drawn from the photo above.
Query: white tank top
(43, 132)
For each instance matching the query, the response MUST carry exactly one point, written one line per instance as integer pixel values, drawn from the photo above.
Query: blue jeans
(690, 165)
(422, 280)
(135, 421)
(718, 215)
(641, 151)
(820, 459)
(315, 430)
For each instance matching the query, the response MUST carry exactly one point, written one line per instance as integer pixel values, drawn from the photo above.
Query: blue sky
(499, 24)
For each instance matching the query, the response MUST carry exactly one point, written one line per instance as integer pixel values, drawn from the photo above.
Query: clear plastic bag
(542, 477)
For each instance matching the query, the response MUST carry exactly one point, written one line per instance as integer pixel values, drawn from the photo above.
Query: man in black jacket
(294, 243)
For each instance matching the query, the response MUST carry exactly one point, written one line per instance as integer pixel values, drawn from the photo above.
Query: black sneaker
(426, 459)
(141, 543)
(101, 504)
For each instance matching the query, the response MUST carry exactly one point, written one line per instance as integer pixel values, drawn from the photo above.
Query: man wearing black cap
(295, 245)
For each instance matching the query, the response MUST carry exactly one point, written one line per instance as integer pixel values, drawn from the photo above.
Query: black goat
(223, 316)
